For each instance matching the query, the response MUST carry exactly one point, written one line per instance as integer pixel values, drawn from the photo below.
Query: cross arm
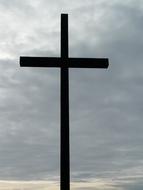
(88, 63)
(40, 62)
(61, 62)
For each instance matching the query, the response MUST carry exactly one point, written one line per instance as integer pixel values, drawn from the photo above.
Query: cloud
(105, 105)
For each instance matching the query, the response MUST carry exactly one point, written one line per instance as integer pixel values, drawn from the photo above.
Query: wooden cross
(64, 63)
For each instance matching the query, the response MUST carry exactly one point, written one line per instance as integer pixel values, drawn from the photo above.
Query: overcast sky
(106, 106)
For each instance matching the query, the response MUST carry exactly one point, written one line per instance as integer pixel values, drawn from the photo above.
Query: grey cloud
(106, 106)
(121, 105)
(19, 135)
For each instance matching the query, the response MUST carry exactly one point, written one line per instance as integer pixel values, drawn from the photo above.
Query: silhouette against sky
(105, 105)
(64, 63)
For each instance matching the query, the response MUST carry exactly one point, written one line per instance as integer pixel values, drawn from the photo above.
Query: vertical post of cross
(64, 141)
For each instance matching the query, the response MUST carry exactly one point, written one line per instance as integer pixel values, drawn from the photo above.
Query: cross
(64, 63)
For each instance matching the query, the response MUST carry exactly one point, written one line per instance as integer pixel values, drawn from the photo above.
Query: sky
(106, 106)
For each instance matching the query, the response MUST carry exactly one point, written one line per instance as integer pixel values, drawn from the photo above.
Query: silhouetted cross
(64, 63)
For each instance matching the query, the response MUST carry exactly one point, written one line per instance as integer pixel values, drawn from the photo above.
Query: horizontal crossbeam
(87, 63)
(59, 62)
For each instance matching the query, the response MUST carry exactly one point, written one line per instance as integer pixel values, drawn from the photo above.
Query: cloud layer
(105, 105)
